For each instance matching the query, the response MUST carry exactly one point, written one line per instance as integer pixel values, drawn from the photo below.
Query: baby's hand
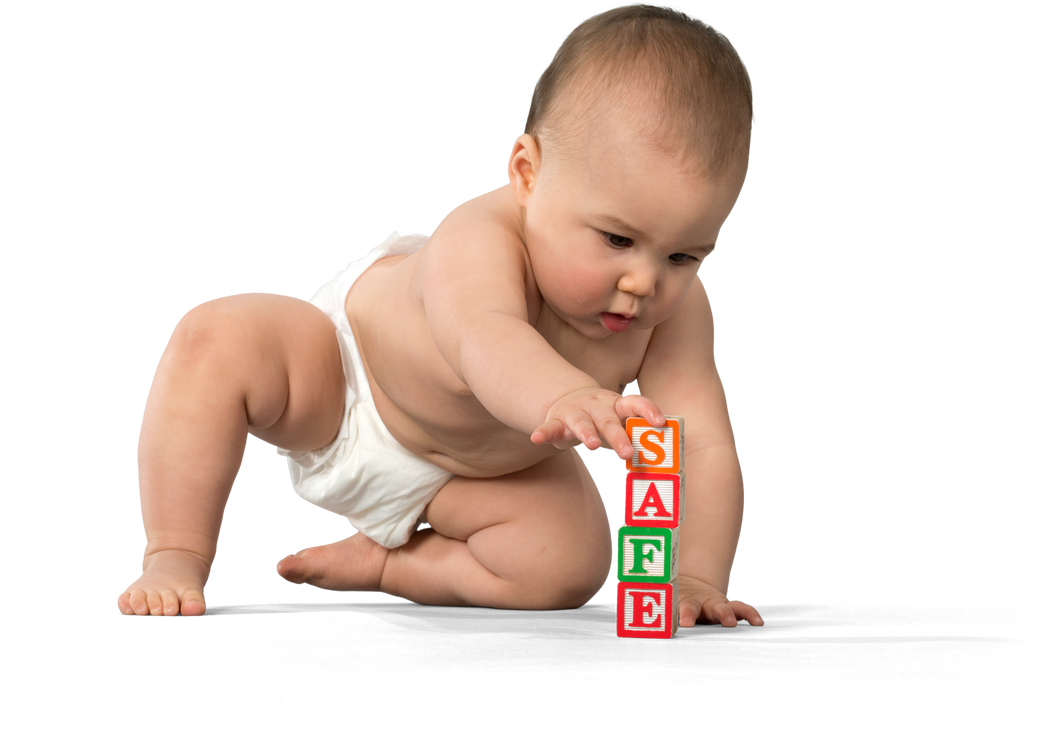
(592, 414)
(703, 604)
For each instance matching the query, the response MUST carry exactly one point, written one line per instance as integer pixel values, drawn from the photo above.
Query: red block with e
(654, 500)
(649, 610)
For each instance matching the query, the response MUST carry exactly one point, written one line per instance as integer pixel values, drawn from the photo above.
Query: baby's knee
(573, 571)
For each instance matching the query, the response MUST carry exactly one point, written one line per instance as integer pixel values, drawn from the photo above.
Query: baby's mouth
(616, 322)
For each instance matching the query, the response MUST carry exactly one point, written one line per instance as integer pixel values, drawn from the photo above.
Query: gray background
(261, 150)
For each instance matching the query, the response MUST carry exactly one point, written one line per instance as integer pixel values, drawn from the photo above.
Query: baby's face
(616, 231)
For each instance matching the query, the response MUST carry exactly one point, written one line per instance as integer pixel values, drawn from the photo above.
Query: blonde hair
(690, 76)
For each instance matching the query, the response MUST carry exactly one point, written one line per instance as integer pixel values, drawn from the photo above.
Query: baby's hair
(702, 98)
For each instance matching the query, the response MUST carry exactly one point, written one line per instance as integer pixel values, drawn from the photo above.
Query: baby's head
(638, 136)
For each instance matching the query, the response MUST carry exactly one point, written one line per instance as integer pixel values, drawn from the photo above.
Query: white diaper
(364, 474)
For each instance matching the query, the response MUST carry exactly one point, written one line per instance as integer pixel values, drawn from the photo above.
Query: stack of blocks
(649, 542)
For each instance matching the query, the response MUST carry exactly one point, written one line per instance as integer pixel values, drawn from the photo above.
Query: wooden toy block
(654, 500)
(648, 554)
(655, 449)
(650, 610)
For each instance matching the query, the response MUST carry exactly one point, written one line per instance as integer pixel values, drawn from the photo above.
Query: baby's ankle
(176, 558)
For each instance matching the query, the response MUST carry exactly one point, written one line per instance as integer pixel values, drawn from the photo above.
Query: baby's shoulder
(482, 235)
(479, 247)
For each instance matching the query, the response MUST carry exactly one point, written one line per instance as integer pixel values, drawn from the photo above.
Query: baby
(446, 380)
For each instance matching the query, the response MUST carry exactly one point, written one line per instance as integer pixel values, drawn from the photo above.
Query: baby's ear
(524, 163)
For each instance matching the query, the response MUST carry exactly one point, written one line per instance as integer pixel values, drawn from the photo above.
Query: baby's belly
(452, 429)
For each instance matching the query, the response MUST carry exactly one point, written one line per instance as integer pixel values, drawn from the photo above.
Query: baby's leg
(536, 539)
(263, 364)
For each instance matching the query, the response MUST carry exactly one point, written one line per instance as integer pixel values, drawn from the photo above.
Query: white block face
(653, 448)
(644, 609)
(651, 550)
(640, 495)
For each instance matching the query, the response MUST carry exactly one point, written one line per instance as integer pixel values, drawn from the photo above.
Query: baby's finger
(653, 413)
(724, 614)
(611, 430)
(746, 612)
(627, 406)
(548, 432)
(689, 613)
(582, 428)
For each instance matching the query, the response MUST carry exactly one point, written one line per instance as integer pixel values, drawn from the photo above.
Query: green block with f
(648, 554)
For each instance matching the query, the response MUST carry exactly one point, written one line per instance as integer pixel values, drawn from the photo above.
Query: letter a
(652, 499)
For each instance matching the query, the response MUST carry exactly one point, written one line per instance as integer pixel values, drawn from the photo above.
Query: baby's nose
(638, 282)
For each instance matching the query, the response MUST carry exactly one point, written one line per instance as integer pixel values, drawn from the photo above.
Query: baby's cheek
(582, 291)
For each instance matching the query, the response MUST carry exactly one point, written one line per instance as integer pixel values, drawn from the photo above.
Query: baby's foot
(172, 583)
(354, 564)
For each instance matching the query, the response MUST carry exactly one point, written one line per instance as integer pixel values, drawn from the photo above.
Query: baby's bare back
(425, 406)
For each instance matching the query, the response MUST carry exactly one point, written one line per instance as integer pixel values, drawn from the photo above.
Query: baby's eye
(615, 236)
(675, 259)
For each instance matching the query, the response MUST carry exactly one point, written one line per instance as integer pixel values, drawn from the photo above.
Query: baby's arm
(474, 290)
(474, 295)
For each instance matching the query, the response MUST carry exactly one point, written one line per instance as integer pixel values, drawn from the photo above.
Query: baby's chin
(592, 326)
(589, 326)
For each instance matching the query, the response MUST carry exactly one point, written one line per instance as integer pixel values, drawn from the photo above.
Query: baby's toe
(300, 568)
(156, 604)
(124, 603)
(138, 602)
(193, 604)
(171, 603)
